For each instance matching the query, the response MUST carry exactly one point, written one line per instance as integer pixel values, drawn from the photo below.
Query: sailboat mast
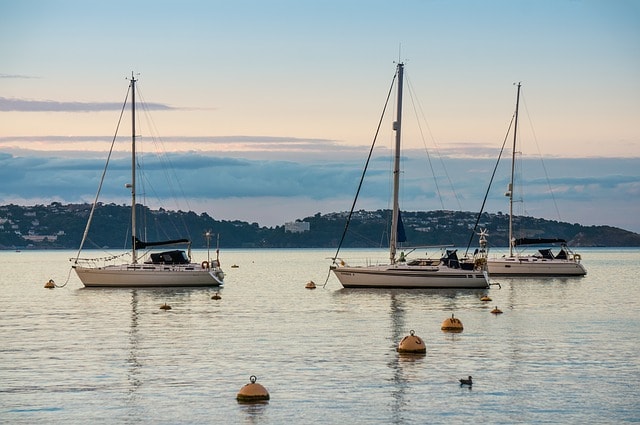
(133, 170)
(513, 166)
(397, 126)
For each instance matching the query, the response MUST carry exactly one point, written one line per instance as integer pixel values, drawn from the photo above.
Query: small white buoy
(412, 344)
(496, 311)
(165, 306)
(310, 285)
(216, 296)
(452, 324)
(50, 285)
(252, 392)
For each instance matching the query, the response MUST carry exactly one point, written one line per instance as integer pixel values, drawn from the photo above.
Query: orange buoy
(485, 298)
(50, 285)
(452, 324)
(216, 296)
(165, 306)
(252, 392)
(496, 311)
(412, 344)
(310, 285)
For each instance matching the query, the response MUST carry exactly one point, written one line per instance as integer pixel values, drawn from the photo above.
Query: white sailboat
(163, 269)
(543, 263)
(447, 272)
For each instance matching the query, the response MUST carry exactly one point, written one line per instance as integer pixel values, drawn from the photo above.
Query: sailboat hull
(409, 277)
(149, 276)
(534, 266)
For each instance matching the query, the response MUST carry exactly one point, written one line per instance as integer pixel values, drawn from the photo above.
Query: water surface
(564, 351)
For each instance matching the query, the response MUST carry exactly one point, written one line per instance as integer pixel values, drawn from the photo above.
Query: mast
(513, 165)
(133, 169)
(397, 126)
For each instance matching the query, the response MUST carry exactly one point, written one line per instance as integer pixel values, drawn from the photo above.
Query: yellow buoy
(485, 298)
(165, 306)
(452, 324)
(50, 285)
(216, 296)
(496, 310)
(310, 285)
(412, 344)
(252, 392)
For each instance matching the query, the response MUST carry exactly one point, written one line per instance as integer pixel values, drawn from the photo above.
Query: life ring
(577, 257)
(205, 264)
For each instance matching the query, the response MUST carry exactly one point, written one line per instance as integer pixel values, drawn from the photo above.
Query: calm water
(564, 351)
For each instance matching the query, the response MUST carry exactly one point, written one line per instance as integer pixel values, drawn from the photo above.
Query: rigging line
(104, 172)
(424, 143)
(544, 167)
(486, 194)
(141, 189)
(364, 171)
(438, 152)
(144, 182)
(171, 177)
(161, 153)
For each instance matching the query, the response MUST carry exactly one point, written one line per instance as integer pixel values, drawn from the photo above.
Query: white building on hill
(297, 226)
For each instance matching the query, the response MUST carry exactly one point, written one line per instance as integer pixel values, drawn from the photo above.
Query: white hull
(409, 277)
(149, 275)
(534, 266)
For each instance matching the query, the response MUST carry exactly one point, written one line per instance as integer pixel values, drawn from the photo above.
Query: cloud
(29, 105)
(16, 76)
(250, 147)
(269, 190)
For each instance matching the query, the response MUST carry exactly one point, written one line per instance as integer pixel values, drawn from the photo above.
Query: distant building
(297, 226)
(41, 238)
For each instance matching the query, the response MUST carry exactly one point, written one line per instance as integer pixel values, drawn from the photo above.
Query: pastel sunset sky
(268, 107)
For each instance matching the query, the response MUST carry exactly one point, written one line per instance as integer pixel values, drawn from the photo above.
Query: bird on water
(468, 381)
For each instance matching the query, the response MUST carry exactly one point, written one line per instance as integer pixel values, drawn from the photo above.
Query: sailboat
(172, 268)
(446, 272)
(543, 263)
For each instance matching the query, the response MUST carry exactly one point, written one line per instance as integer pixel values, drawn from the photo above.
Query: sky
(267, 108)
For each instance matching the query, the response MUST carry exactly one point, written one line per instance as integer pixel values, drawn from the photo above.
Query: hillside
(58, 226)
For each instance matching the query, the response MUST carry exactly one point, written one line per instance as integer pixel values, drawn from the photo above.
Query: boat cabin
(170, 257)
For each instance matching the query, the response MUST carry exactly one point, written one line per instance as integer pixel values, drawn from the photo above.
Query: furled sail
(534, 241)
(402, 236)
(142, 245)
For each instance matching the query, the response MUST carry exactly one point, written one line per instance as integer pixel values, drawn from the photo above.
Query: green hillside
(61, 226)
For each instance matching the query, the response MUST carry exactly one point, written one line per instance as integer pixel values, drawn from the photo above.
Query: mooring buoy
(452, 324)
(165, 306)
(485, 298)
(252, 392)
(496, 311)
(216, 296)
(310, 285)
(412, 344)
(50, 285)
